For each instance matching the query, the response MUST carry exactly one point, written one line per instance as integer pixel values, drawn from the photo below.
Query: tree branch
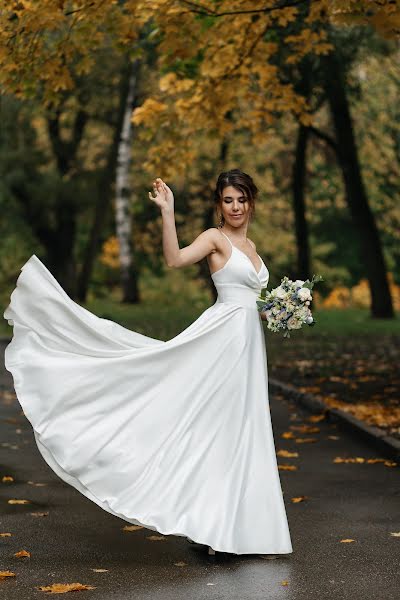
(324, 136)
(204, 10)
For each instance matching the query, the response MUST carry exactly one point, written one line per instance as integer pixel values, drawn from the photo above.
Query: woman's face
(234, 206)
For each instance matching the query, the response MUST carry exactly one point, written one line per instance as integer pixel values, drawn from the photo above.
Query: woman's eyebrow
(230, 197)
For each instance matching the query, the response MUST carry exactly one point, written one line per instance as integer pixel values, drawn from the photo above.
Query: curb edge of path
(376, 437)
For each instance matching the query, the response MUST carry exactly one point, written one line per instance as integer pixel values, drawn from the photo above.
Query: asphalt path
(344, 501)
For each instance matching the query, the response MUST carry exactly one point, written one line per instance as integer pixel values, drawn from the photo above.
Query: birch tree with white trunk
(123, 195)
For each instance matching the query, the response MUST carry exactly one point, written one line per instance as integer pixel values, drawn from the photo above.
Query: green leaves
(310, 284)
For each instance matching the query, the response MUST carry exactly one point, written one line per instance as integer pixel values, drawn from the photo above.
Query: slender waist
(242, 295)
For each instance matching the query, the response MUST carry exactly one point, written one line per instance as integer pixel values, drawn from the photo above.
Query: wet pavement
(357, 501)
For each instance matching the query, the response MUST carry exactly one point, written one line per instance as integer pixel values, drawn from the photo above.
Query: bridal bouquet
(287, 306)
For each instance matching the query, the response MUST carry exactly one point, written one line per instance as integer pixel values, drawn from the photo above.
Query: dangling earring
(221, 221)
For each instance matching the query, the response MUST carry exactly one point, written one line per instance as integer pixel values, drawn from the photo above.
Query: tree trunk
(299, 208)
(363, 218)
(104, 192)
(101, 209)
(61, 258)
(123, 213)
(60, 255)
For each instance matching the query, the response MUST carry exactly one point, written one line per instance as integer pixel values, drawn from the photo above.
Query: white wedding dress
(175, 436)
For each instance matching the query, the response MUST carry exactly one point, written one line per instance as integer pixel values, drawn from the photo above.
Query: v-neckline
(250, 261)
(244, 254)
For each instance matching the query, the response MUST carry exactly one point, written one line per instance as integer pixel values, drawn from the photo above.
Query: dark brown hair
(239, 180)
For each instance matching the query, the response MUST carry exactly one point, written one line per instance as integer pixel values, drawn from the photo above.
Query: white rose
(299, 283)
(304, 294)
(280, 292)
(293, 323)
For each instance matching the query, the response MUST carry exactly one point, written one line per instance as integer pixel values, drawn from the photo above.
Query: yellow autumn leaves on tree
(43, 43)
(220, 66)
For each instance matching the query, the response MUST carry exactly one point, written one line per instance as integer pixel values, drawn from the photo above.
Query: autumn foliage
(213, 54)
(359, 295)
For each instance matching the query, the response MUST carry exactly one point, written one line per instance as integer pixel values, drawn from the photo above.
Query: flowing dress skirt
(175, 436)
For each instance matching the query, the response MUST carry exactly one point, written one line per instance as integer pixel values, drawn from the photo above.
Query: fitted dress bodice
(238, 280)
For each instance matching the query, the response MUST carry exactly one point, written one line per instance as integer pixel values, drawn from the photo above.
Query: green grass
(165, 322)
(354, 321)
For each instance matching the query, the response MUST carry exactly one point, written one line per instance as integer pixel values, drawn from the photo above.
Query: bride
(175, 436)
(235, 211)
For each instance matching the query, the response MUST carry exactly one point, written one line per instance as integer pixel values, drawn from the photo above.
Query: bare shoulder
(214, 236)
(213, 232)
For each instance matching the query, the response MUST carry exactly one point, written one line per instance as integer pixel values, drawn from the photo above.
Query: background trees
(281, 89)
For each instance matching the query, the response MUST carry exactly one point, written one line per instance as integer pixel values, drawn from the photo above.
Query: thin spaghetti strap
(226, 237)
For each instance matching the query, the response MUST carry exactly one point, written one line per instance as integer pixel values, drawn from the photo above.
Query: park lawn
(164, 322)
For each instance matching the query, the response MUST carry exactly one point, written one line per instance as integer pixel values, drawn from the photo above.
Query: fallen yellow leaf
(132, 527)
(288, 435)
(37, 484)
(287, 454)
(395, 533)
(16, 501)
(359, 459)
(340, 459)
(372, 412)
(7, 478)
(299, 499)
(287, 467)
(7, 574)
(180, 564)
(305, 428)
(316, 418)
(305, 440)
(156, 538)
(347, 541)
(22, 553)
(63, 588)
(8, 397)
(5, 534)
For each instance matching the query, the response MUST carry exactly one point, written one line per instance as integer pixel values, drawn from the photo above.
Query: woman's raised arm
(204, 244)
